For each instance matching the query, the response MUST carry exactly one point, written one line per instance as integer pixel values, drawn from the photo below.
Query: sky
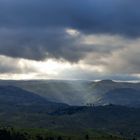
(70, 39)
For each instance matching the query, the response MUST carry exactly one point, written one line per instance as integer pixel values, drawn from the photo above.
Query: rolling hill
(24, 109)
(82, 92)
(16, 99)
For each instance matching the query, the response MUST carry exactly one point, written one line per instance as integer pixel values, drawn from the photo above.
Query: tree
(38, 137)
(87, 137)
(59, 138)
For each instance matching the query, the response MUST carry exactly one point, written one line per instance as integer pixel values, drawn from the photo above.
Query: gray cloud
(14, 66)
(90, 16)
(40, 44)
(23, 25)
(34, 29)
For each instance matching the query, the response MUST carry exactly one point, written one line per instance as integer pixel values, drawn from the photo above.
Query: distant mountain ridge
(83, 92)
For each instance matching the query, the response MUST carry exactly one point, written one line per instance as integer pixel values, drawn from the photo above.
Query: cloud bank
(92, 39)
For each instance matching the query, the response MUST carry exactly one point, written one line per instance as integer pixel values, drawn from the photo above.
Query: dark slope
(14, 98)
(110, 118)
(122, 96)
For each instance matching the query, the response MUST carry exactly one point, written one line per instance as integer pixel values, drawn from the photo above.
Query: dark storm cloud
(46, 43)
(40, 44)
(91, 16)
(35, 29)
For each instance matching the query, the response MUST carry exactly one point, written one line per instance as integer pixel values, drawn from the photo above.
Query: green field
(45, 134)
